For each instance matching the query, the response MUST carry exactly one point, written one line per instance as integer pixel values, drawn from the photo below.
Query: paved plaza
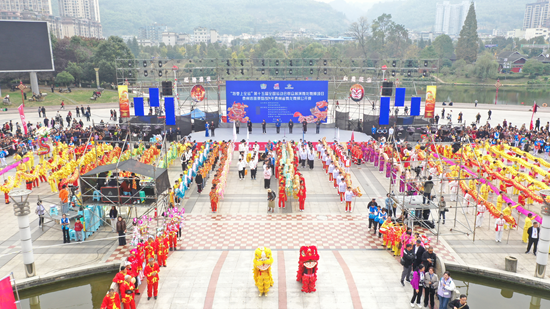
(213, 267)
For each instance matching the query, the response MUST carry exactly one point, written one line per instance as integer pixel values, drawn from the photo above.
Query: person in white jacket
(481, 209)
(499, 227)
(241, 166)
(253, 165)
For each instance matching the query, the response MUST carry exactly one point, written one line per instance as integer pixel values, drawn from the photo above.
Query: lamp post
(544, 237)
(22, 210)
(97, 77)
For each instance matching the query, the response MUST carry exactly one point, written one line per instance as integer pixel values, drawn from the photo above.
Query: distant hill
(352, 11)
(420, 14)
(122, 17)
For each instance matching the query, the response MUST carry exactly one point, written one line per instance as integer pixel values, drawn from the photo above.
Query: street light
(22, 210)
(544, 237)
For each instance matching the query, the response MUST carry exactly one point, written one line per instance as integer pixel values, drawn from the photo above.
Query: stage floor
(330, 133)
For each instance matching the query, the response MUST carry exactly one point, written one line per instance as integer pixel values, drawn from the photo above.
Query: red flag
(7, 301)
(535, 107)
(352, 136)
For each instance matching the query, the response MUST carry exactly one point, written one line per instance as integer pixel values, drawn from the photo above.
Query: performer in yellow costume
(484, 189)
(262, 269)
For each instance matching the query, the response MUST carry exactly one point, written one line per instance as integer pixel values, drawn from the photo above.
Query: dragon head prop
(263, 258)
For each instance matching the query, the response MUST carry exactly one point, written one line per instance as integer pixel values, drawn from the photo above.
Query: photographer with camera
(428, 186)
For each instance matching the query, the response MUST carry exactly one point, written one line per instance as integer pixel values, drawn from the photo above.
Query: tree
(274, 53)
(443, 46)
(533, 68)
(428, 53)
(64, 78)
(397, 40)
(379, 30)
(486, 66)
(360, 32)
(133, 45)
(467, 45)
(421, 43)
(106, 53)
(75, 70)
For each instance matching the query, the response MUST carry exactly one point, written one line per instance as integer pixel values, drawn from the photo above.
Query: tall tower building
(84, 9)
(536, 14)
(449, 18)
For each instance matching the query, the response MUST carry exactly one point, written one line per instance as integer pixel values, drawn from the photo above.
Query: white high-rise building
(84, 9)
(39, 6)
(449, 18)
(536, 14)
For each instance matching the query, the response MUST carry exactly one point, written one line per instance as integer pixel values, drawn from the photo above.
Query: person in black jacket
(459, 303)
(533, 233)
(407, 261)
(290, 126)
(418, 252)
(249, 125)
(198, 180)
(429, 258)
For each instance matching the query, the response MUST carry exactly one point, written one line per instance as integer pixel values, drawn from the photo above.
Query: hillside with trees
(120, 17)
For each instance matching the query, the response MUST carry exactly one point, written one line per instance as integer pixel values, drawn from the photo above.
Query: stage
(225, 134)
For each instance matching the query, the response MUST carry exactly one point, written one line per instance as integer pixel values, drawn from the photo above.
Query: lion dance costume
(262, 269)
(307, 268)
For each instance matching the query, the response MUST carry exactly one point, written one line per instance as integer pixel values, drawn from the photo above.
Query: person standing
(199, 181)
(290, 126)
(78, 230)
(417, 283)
(65, 228)
(445, 290)
(499, 227)
(342, 191)
(304, 126)
(121, 229)
(278, 125)
(373, 212)
(534, 233)
(528, 224)
(418, 252)
(267, 176)
(481, 209)
(151, 272)
(428, 186)
(206, 129)
(431, 281)
(253, 165)
(241, 168)
(62, 104)
(442, 208)
(40, 211)
(459, 303)
(317, 126)
(113, 214)
(302, 197)
(39, 112)
(127, 292)
(282, 194)
(212, 128)
(407, 261)
(489, 113)
(237, 125)
(64, 196)
(77, 112)
(249, 125)
(271, 196)
(429, 258)
(310, 158)
(111, 300)
(264, 125)
(348, 197)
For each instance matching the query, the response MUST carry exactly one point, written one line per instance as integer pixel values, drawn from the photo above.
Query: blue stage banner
(170, 111)
(272, 100)
(138, 107)
(415, 106)
(400, 96)
(384, 111)
(154, 100)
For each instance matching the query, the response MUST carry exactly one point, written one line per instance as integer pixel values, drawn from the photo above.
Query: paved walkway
(349, 253)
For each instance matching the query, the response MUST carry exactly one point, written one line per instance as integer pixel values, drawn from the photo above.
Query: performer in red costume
(111, 300)
(150, 249)
(151, 272)
(173, 238)
(119, 277)
(127, 293)
(163, 251)
(302, 197)
(307, 268)
(282, 193)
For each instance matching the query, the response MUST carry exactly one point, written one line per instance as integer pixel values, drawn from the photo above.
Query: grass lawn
(464, 80)
(76, 97)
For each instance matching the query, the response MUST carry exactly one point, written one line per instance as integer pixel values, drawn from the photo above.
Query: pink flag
(7, 300)
(352, 136)
(22, 115)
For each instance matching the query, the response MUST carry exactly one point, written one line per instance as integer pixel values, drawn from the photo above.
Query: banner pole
(18, 302)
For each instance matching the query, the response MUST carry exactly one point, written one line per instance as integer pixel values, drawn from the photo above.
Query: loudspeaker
(167, 88)
(109, 194)
(387, 89)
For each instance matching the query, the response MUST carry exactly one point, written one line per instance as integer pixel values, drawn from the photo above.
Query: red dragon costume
(307, 268)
